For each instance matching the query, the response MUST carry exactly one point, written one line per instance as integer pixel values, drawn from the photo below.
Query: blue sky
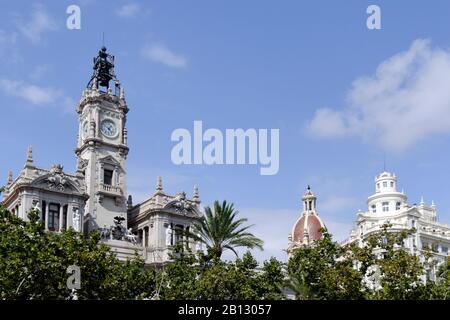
(344, 97)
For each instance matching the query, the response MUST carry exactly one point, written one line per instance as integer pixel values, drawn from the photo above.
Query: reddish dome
(313, 226)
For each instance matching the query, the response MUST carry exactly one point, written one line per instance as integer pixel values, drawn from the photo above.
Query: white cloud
(39, 71)
(39, 23)
(161, 54)
(36, 95)
(128, 10)
(337, 203)
(8, 50)
(404, 102)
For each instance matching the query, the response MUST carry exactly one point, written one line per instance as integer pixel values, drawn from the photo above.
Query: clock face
(108, 128)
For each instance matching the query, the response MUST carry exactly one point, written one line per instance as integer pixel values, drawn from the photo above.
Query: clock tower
(102, 145)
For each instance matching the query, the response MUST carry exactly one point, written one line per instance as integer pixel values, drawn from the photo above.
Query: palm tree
(297, 284)
(221, 230)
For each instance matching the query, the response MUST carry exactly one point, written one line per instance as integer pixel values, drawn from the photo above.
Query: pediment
(57, 182)
(110, 160)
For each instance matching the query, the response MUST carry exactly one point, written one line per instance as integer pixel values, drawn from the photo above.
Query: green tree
(399, 271)
(220, 230)
(33, 264)
(379, 268)
(324, 270)
(192, 277)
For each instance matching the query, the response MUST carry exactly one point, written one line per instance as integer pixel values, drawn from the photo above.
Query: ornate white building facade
(387, 205)
(95, 196)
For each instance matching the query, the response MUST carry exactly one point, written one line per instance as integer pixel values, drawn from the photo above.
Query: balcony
(110, 190)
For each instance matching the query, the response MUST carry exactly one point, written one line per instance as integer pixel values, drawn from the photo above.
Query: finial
(421, 201)
(130, 201)
(159, 186)
(309, 188)
(122, 93)
(10, 177)
(110, 90)
(433, 205)
(29, 162)
(196, 195)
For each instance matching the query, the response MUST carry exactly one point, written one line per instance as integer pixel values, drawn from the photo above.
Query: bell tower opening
(103, 72)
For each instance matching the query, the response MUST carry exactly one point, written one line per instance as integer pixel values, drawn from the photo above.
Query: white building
(95, 196)
(387, 205)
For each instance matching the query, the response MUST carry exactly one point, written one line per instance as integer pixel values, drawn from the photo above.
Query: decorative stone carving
(57, 180)
(181, 205)
(82, 164)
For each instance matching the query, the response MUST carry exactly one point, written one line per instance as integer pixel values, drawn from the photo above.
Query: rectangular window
(64, 222)
(44, 208)
(435, 247)
(445, 250)
(187, 238)
(397, 206)
(107, 177)
(374, 208)
(179, 236)
(385, 206)
(385, 184)
(392, 184)
(53, 217)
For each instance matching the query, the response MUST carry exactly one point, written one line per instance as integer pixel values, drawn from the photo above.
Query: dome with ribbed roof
(307, 228)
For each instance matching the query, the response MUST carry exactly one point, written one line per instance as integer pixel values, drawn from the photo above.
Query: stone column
(144, 237)
(69, 216)
(115, 181)
(47, 205)
(61, 214)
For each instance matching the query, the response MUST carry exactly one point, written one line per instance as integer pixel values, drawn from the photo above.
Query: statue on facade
(118, 231)
(130, 236)
(169, 235)
(76, 220)
(105, 232)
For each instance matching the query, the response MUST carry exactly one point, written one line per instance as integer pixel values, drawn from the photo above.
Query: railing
(110, 189)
